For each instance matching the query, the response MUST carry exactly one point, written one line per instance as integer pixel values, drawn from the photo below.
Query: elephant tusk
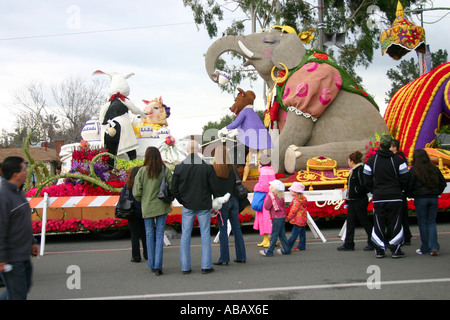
(245, 50)
(280, 79)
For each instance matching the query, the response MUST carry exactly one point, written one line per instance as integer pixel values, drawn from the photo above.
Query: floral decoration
(74, 190)
(170, 141)
(320, 55)
(78, 225)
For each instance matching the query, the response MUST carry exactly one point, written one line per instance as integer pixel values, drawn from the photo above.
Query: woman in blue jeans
(426, 183)
(230, 209)
(154, 211)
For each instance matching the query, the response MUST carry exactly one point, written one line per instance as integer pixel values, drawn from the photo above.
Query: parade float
(321, 115)
(83, 196)
(316, 116)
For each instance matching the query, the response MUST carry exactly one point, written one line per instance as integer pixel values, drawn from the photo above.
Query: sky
(50, 41)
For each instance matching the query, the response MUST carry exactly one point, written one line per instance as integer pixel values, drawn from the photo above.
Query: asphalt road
(81, 267)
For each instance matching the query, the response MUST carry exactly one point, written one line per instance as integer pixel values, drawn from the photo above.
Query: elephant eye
(270, 40)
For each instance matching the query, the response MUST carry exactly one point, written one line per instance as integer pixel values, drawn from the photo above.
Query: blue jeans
(426, 211)
(204, 221)
(230, 211)
(278, 231)
(154, 230)
(299, 232)
(17, 281)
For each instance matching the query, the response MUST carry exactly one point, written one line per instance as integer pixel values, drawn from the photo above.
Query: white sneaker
(418, 251)
(263, 252)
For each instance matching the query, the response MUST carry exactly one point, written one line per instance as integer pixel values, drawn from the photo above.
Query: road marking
(259, 290)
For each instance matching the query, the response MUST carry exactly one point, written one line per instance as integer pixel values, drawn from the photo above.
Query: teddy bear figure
(251, 130)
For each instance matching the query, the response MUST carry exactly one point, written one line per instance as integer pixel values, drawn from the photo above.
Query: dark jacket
(386, 176)
(355, 184)
(137, 213)
(402, 156)
(416, 189)
(227, 184)
(194, 182)
(16, 230)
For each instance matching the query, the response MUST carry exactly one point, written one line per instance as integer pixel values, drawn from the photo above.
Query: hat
(264, 159)
(297, 187)
(277, 184)
(385, 141)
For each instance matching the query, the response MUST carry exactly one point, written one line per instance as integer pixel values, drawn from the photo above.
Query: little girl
(262, 218)
(297, 216)
(274, 203)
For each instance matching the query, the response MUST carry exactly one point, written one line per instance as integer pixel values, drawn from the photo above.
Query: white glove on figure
(224, 133)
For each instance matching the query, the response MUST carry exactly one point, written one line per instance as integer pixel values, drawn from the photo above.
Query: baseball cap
(277, 184)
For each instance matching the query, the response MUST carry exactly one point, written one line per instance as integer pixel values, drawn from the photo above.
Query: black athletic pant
(357, 211)
(387, 230)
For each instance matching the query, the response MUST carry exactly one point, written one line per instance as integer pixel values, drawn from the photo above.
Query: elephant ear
(290, 51)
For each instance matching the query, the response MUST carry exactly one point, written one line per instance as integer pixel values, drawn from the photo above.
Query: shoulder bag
(258, 200)
(124, 207)
(164, 190)
(240, 192)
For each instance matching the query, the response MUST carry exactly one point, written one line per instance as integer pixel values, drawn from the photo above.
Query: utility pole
(321, 24)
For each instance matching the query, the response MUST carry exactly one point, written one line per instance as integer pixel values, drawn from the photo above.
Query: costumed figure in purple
(248, 126)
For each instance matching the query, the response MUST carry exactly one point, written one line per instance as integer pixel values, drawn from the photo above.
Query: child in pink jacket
(274, 203)
(262, 218)
(297, 216)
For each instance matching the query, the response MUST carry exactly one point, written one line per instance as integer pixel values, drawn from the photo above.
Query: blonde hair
(278, 193)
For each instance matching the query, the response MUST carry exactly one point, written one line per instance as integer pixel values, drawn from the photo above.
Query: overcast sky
(50, 41)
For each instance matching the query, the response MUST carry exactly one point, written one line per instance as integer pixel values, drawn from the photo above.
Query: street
(81, 267)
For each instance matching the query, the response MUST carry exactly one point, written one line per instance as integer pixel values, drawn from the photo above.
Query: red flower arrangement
(372, 147)
(77, 225)
(73, 190)
(170, 141)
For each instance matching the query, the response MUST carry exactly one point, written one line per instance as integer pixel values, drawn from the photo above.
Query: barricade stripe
(111, 201)
(57, 202)
(34, 202)
(75, 201)
(86, 201)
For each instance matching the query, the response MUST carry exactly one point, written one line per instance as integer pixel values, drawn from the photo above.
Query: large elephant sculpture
(350, 119)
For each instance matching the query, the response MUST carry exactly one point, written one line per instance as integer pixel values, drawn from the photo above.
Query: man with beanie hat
(386, 176)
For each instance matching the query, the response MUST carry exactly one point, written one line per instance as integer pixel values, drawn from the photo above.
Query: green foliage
(408, 70)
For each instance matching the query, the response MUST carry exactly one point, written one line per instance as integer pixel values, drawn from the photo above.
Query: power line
(95, 31)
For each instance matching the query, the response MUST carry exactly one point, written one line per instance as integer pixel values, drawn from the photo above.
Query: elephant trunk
(220, 46)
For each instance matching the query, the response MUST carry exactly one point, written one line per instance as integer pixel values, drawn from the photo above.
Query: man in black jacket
(193, 184)
(17, 243)
(386, 176)
(395, 148)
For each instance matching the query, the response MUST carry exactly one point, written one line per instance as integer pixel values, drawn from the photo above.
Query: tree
(77, 101)
(408, 70)
(57, 111)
